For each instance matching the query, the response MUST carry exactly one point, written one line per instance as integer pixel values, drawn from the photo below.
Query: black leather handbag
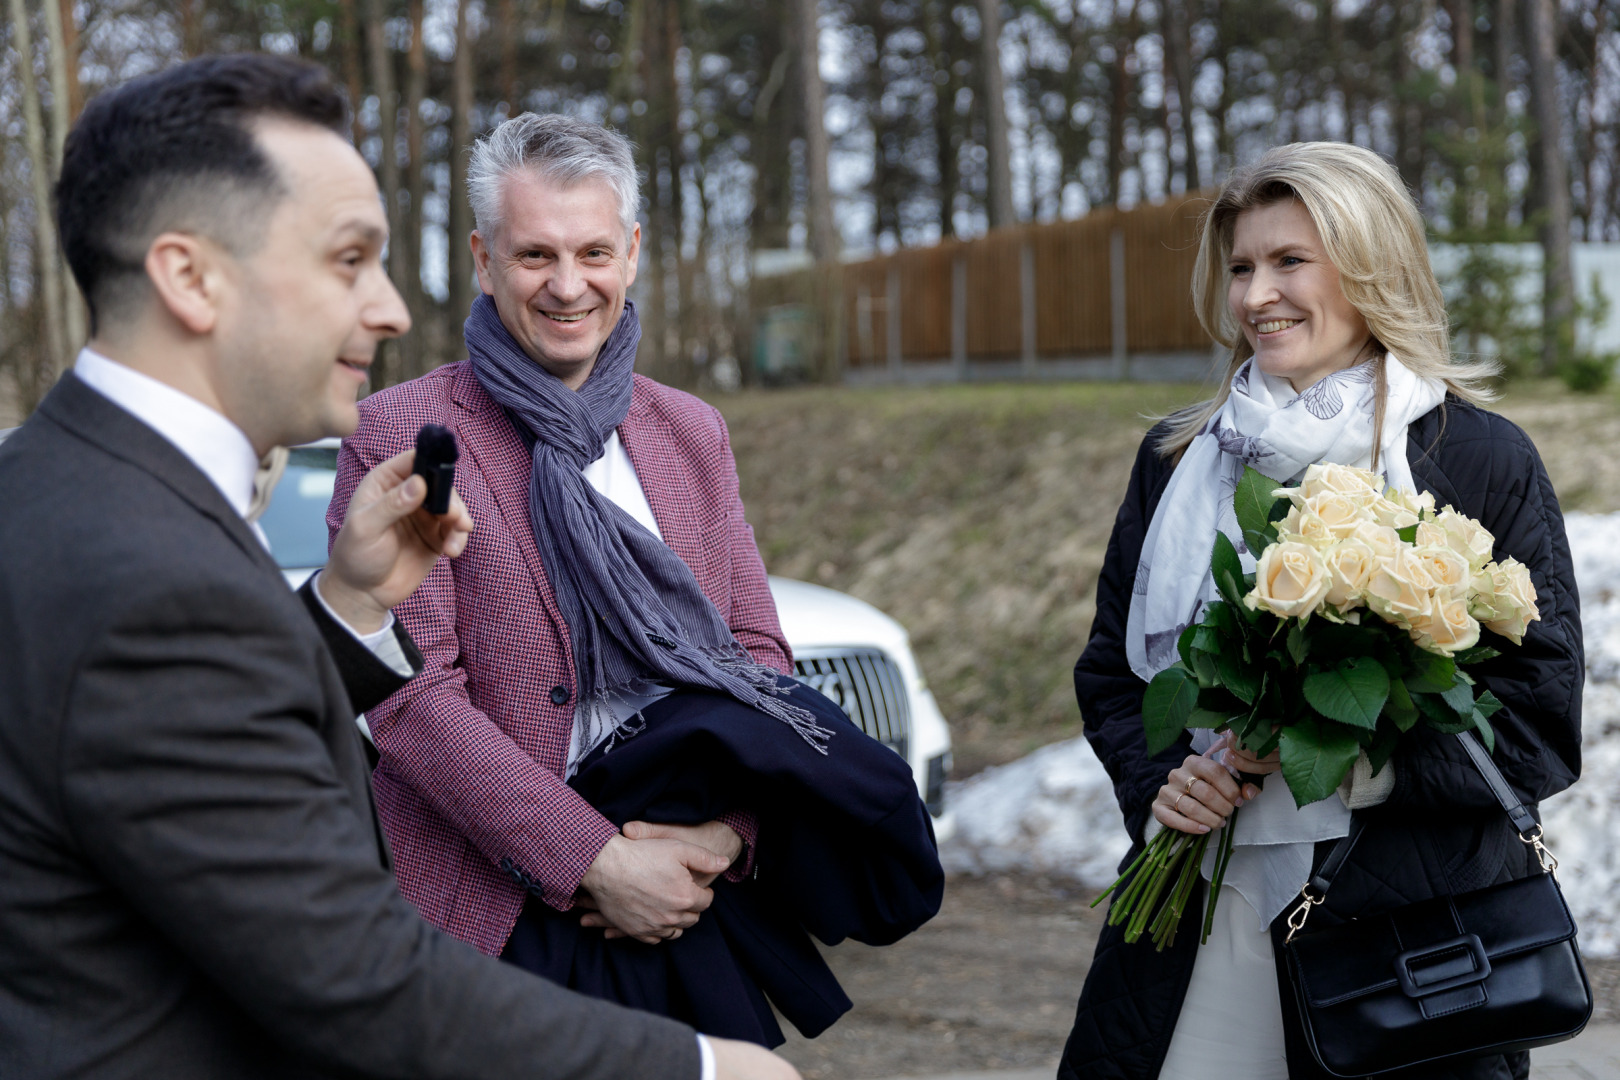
(1485, 972)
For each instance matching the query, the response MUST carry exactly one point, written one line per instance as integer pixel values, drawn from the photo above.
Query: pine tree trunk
(414, 348)
(46, 257)
(461, 223)
(1178, 44)
(1558, 293)
(995, 103)
(354, 70)
(823, 238)
(382, 80)
(73, 314)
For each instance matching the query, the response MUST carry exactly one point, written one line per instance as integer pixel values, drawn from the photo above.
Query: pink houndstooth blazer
(469, 788)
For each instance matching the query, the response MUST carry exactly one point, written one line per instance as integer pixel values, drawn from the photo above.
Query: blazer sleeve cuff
(368, 679)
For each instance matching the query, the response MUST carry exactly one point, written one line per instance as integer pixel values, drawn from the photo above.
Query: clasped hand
(652, 882)
(1203, 791)
(388, 544)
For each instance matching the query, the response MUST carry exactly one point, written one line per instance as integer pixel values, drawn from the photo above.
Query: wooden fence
(1100, 295)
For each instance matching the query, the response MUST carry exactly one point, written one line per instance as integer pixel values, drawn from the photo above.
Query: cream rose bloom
(1448, 569)
(1466, 537)
(1350, 565)
(1383, 540)
(1387, 511)
(1448, 628)
(1305, 526)
(1430, 534)
(1290, 580)
(1360, 486)
(1400, 589)
(1340, 514)
(1513, 607)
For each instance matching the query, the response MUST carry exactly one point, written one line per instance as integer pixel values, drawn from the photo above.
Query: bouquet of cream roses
(1365, 607)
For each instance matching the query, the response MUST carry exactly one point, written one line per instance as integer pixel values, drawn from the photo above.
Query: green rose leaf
(1206, 639)
(1383, 747)
(1299, 646)
(1184, 645)
(1252, 503)
(1486, 734)
(1441, 716)
(1315, 759)
(1224, 563)
(1431, 673)
(1400, 708)
(1408, 535)
(1460, 698)
(1352, 692)
(1210, 718)
(1477, 655)
(1488, 705)
(1238, 677)
(1167, 705)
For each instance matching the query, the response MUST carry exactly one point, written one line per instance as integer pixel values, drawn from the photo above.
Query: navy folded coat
(845, 850)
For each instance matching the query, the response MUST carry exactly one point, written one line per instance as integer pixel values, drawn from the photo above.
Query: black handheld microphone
(436, 457)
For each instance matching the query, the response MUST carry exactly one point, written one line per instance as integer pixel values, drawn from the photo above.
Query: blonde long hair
(1373, 235)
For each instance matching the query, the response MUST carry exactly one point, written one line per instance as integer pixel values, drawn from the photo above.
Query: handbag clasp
(1548, 861)
(1297, 917)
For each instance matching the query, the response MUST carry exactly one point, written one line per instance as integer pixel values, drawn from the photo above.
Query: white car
(844, 647)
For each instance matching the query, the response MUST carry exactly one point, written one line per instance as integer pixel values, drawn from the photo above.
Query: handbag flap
(1360, 957)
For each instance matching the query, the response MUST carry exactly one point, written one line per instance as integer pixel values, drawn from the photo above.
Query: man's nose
(385, 313)
(567, 283)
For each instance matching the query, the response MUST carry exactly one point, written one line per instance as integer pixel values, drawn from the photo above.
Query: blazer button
(560, 695)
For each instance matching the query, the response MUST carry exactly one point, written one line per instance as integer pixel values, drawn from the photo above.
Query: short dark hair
(175, 151)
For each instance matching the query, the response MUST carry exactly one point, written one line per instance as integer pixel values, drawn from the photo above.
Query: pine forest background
(790, 132)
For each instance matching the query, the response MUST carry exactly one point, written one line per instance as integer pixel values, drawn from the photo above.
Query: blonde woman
(1313, 270)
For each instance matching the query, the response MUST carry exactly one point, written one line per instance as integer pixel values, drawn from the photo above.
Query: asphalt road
(986, 991)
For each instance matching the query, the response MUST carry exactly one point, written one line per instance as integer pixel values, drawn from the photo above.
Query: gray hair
(563, 149)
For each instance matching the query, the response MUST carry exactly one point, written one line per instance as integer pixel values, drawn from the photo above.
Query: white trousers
(1231, 1022)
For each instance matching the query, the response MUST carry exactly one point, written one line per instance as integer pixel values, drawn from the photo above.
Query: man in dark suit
(192, 878)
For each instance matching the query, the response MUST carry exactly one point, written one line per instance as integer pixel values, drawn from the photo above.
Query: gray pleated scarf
(635, 612)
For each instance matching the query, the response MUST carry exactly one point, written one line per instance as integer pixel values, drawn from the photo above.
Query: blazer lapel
(95, 419)
(669, 490)
(507, 467)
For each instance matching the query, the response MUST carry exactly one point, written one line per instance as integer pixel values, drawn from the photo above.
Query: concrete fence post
(1026, 293)
(959, 318)
(893, 337)
(1116, 281)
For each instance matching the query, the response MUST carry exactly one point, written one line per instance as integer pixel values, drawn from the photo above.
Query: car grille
(868, 686)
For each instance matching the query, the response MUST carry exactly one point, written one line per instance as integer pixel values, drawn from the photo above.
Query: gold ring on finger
(1188, 789)
(1176, 806)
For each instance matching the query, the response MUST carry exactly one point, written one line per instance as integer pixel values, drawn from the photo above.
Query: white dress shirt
(219, 449)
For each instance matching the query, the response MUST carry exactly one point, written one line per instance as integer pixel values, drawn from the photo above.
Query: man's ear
(185, 273)
(633, 256)
(480, 254)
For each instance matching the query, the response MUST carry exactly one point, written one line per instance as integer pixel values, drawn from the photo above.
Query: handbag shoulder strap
(1523, 820)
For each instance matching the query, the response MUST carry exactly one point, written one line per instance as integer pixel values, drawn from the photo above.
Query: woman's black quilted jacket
(1440, 831)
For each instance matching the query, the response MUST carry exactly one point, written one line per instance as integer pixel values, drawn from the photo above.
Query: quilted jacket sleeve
(1486, 467)
(1109, 692)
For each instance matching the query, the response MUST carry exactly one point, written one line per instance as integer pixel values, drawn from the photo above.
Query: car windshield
(295, 520)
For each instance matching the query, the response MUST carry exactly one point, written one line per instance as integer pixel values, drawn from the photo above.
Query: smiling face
(1285, 294)
(302, 316)
(558, 265)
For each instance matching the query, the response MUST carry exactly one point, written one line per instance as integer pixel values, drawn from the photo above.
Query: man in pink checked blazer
(475, 751)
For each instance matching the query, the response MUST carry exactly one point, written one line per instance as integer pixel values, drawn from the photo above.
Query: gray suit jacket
(192, 878)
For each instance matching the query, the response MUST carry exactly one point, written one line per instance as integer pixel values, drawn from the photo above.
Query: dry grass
(978, 517)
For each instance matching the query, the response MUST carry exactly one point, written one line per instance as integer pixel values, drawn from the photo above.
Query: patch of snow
(1053, 812)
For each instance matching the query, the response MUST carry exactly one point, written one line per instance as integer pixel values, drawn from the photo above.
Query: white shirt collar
(218, 448)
